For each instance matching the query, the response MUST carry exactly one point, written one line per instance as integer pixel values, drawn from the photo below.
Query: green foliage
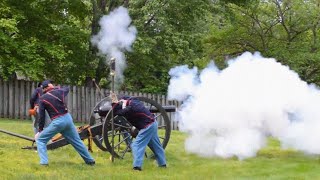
(44, 39)
(288, 31)
(64, 163)
(104, 83)
(51, 39)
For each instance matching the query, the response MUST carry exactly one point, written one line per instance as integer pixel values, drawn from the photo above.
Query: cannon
(113, 133)
(122, 127)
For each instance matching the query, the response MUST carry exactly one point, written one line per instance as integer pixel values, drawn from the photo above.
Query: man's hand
(124, 103)
(37, 135)
(32, 112)
(134, 131)
(114, 98)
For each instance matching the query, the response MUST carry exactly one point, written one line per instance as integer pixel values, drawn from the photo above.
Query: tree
(46, 39)
(286, 30)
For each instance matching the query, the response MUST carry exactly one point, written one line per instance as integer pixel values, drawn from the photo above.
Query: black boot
(91, 163)
(137, 168)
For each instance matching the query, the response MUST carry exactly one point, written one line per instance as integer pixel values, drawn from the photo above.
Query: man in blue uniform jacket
(140, 117)
(34, 109)
(53, 100)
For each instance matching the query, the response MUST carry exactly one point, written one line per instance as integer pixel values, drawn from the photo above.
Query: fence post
(22, 100)
(16, 99)
(82, 105)
(27, 94)
(74, 103)
(11, 99)
(70, 100)
(6, 100)
(1, 98)
(92, 101)
(87, 104)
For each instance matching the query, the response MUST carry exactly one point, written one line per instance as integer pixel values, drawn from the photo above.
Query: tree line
(51, 39)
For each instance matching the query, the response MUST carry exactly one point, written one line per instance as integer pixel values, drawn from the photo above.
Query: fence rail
(15, 96)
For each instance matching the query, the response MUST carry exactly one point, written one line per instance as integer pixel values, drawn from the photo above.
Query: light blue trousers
(148, 137)
(65, 126)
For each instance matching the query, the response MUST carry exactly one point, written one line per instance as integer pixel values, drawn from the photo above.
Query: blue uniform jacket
(34, 100)
(54, 102)
(135, 112)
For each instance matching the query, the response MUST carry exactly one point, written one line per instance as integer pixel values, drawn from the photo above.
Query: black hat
(45, 83)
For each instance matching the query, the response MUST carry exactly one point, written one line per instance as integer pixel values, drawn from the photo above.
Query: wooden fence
(15, 96)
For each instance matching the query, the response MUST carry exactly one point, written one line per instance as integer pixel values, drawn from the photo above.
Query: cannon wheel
(96, 119)
(121, 133)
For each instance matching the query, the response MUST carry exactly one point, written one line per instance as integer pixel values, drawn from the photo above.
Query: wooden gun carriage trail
(100, 121)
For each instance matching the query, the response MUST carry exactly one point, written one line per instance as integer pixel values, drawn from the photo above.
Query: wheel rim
(95, 118)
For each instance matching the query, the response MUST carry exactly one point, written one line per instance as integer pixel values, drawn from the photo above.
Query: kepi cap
(45, 83)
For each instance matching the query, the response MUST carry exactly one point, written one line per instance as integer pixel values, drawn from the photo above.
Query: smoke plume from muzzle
(115, 37)
(231, 112)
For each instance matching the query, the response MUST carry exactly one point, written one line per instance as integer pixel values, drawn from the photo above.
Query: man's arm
(33, 99)
(65, 91)
(42, 115)
(122, 112)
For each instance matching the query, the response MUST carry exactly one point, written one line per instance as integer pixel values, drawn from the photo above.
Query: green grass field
(64, 163)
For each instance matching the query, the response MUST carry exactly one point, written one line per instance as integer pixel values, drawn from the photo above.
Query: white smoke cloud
(232, 112)
(115, 37)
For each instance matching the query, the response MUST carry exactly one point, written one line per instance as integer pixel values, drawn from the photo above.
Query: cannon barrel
(103, 110)
(17, 135)
(170, 108)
